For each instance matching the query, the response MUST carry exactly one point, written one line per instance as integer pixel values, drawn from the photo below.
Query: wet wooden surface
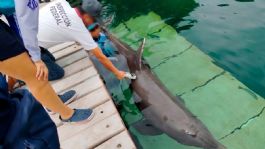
(106, 130)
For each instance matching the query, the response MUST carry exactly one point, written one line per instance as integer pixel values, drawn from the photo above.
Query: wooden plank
(75, 79)
(101, 112)
(96, 134)
(66, 61)
(93, 99)
(60, 47)
(77, 66)
(74, 68)
(67, 51)
(120, 141)
(88, 86)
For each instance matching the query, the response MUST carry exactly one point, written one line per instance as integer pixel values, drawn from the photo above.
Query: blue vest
(7, 7)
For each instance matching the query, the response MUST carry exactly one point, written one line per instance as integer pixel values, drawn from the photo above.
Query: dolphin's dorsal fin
(140, 54)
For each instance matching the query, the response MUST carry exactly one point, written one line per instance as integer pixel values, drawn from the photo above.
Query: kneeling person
(102, 40)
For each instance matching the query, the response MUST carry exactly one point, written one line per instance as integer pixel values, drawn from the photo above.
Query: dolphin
(161, 110)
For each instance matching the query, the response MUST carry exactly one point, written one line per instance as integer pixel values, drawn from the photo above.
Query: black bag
(27, 124)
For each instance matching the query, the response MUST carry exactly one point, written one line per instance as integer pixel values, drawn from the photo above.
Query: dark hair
(81, 10)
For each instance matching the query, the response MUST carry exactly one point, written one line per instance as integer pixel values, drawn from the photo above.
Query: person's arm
(107, 63)
(27, 15)
(83, 37)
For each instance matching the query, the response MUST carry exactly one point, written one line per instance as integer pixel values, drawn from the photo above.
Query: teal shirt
(7, 7)
(105, 45)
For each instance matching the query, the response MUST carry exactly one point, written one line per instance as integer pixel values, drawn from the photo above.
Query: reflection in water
(172, 11)
(234, 37)
(245, 0)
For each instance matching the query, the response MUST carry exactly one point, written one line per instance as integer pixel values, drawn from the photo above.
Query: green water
(231, 32)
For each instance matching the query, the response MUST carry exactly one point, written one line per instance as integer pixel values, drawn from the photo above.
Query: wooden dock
(106, 130)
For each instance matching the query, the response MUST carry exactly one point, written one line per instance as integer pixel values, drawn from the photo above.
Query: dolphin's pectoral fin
(145, 127)
(140, 54)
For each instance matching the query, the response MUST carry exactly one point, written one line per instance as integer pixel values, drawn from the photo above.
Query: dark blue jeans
(24, 124)
(3, 83)
(7, 109)
(55, 71)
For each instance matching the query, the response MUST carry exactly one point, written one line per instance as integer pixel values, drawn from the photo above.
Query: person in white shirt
(59, 23)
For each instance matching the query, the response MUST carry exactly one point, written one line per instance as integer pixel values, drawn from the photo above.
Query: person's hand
(128, 75)
(42, 70)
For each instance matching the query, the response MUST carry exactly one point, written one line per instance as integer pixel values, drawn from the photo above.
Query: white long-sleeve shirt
(59, 23)
(27, 17)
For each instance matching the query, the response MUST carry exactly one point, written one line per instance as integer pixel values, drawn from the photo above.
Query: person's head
(90, 10)
(94, 30)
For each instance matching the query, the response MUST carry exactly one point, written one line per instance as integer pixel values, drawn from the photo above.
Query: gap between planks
(70, 59)
(120, 141)
(61, 47)
(96, 134)
(67, 51)
(75, 79)
(74, 68)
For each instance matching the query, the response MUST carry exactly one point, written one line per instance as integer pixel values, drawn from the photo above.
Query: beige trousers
(21, 67)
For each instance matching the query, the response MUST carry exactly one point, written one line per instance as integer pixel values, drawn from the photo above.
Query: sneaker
(80, 116)
(68, 97)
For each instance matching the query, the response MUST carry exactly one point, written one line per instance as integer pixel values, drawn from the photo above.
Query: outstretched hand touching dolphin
(131, 76)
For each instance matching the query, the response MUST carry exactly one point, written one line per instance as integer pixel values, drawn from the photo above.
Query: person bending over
(59, 23)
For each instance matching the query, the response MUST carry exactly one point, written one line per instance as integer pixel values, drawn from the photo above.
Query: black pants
(10, 43)
(55, 71)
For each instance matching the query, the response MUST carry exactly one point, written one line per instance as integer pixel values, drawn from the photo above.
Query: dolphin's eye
(148, 125)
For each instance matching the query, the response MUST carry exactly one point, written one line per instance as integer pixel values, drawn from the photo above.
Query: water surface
(229, 31)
